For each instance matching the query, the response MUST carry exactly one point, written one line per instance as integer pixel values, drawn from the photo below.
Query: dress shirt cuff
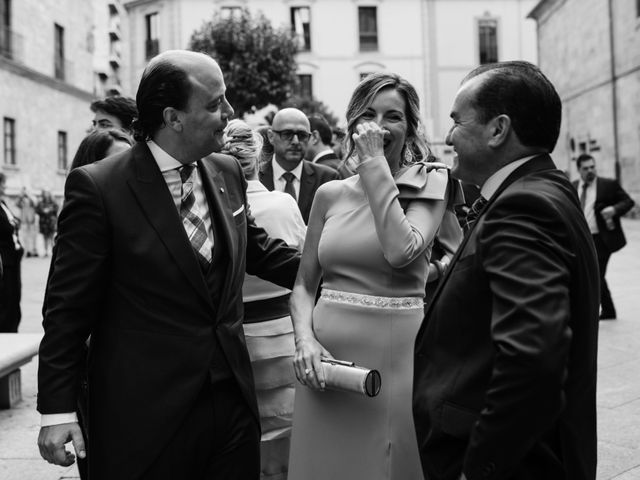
(58, 419)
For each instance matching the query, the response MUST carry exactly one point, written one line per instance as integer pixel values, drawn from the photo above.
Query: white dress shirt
(168, 166)
(492, 184)
(589, 205)
(279, 182)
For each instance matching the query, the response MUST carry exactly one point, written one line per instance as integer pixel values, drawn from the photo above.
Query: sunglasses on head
(289, 134)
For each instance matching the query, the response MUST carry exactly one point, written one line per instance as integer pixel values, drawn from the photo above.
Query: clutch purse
(348, 377)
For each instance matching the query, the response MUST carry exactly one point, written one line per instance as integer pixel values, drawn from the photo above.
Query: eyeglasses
(289, 134)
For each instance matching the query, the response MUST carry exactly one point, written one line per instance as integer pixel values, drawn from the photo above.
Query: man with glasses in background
(288, 171)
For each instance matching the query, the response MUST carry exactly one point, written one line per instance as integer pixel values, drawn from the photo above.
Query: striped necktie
(474, 212)
(191, 219)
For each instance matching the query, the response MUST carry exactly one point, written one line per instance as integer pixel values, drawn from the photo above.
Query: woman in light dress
(267, 324)
(369, 238)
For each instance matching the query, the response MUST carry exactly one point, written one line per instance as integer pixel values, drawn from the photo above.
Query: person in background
(288, 171)
(10, 255)
(337, 140)
(319, 149)
(266, 152)
(603, 202)
(369, 238)
(47, 210)
(505, 361)
(28, 230)
(267, 324)
(114, 112)
(101, 144)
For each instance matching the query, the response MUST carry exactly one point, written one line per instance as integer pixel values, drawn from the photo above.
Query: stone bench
(16, 349)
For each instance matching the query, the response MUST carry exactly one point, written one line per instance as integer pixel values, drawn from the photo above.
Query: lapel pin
(221, 190)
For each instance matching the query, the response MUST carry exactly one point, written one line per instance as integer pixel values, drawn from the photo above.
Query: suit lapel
(266, 176)
(307, 183)
(541, 162)
(220, 208)
(150, 189)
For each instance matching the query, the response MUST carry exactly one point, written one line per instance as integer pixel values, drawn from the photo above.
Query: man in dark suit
(319, 149)
(505, 360)
(288, 171)
(10, 258)
(153, 244)
(603, 202)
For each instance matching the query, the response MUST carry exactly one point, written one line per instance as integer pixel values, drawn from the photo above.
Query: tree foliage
(310, 106)
(258, 60)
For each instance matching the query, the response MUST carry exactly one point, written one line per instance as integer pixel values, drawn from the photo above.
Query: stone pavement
(618, 381)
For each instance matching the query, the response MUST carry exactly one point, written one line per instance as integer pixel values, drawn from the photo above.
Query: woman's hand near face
(369, 140)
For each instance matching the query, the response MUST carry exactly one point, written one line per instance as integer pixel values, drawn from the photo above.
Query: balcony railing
(11, 44)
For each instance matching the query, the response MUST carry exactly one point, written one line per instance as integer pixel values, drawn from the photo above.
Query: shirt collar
(278, 170)
(490, 187)
(165, 161)
(328, 151)
(589, 185)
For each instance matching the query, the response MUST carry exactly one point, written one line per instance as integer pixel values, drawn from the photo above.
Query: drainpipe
(614, 91)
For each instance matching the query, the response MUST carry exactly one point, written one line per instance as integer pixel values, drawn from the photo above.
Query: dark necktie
(288, 188)
(191, 219)
(583, 195)
(474, 211)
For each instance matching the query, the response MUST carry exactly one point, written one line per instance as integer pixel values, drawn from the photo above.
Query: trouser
(603, 253)
(219, 439)
(10, 294)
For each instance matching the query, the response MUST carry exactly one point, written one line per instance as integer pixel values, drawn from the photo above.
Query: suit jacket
(126, 273)
(8, 253)
(610, 193)
(312, 177)
(330, 160)
(505, 360)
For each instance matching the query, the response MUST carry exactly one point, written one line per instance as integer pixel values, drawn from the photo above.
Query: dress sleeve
(404, 234)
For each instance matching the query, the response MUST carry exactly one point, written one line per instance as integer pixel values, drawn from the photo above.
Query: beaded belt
(358, 299)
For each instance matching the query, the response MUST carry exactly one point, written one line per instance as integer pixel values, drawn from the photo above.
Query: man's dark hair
(319, 123)
(162, 85)
(520, 90)
(583, 157)
(123, 108)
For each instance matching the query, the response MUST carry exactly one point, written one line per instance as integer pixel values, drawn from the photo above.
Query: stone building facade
(47, 82)
(590, 49)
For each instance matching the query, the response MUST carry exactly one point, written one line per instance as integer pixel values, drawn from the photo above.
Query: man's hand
(608, 212)
(52, 439)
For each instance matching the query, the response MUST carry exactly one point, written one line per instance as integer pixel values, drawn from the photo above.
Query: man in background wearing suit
(603, 202)
(505, 360)
(319, 149)
(288, 171)
(10, 258)
(152, 248)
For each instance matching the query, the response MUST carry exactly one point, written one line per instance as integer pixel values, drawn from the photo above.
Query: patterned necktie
(474, 211)
(583, 195)
(288, 188)
(191, 220)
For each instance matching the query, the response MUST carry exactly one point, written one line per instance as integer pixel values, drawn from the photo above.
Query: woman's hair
(415, 147)
(243, 143)
(95, 146)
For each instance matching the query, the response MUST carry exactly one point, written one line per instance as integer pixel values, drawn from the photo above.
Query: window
(231, 12)
(303, 86)
(58, 51)
(301, 27)
(488, 40)
(637, 8)
(5, 29)
(62, 150)
(368, 28)
(9, 141)
(152, 45)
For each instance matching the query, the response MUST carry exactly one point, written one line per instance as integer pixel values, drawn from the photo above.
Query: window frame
(304, 37)
(152, 37)
(487, 43)
(9, 141)
(63, 150)
(58, 52)
(6, 47)
(368, 40)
